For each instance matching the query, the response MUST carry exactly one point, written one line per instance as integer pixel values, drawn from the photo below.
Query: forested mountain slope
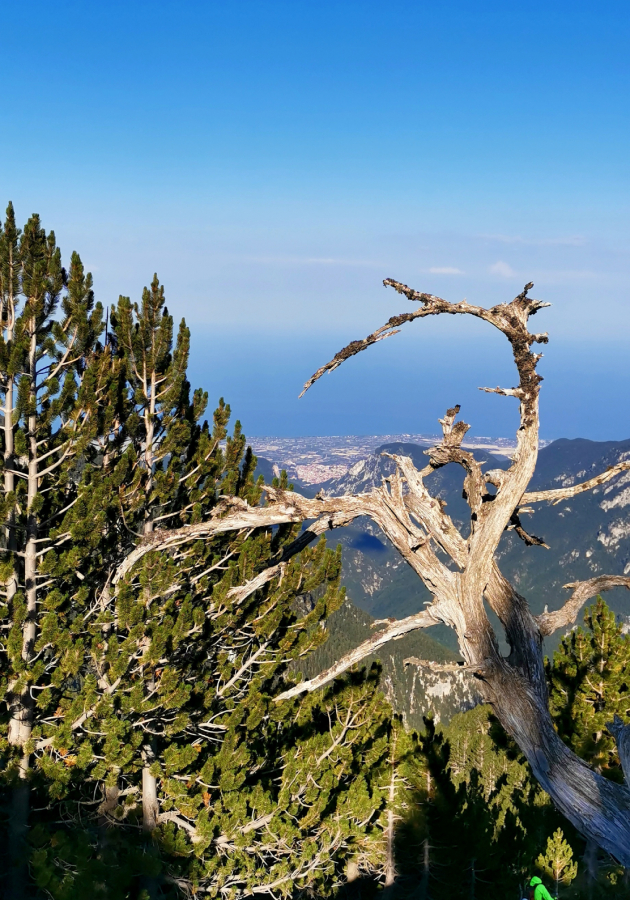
(413, 692)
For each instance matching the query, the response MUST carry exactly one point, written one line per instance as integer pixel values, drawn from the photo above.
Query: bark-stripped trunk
(517, 690)
(352, 871)
(9, 477)
(21, 724)
(150, 805)
(19, 799)
(390, 860)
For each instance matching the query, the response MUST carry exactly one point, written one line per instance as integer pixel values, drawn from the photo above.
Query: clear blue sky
(274, 161)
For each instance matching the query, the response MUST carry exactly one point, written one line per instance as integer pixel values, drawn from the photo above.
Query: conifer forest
(173, 721)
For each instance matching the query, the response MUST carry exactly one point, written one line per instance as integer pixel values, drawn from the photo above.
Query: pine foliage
(589, 683)
(154, 751)
(557, 860)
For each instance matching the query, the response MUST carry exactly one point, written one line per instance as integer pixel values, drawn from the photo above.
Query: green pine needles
(589, 683)
(142, 749)
(557, 860)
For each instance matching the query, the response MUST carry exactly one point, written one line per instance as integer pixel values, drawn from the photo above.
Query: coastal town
(314, 460)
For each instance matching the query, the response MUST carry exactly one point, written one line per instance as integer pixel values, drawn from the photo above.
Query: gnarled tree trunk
(422, 532)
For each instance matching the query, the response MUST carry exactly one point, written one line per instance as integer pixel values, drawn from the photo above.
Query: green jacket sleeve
(541, 893)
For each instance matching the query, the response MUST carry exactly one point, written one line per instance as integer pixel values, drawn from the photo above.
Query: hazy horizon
(274, 162)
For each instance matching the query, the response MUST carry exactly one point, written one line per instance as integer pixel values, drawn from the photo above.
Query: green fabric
(540, 891)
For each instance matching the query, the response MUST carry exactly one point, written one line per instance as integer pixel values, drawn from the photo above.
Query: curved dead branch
(355, 347)
(290, 550)
(234, 514)
(583, 591)
(530, 539)
(431, 306)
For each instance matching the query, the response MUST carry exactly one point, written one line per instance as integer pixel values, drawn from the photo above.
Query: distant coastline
(316, 459)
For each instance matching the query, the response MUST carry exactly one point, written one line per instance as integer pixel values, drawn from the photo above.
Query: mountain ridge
(588, 535)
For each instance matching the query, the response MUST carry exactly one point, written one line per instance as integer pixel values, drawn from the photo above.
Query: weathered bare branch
(505, 392)
(181, 823)
(234, 514)
(548, 622)
(303, 540)
(353, 348)
(450, 451)
(621, 734)
(243, 591)
(423, 619)
(437, 667)
(530, 539)
(386, 508)
(431, 306)
(558, 494)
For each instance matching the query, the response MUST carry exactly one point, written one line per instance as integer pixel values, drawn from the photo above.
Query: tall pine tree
(50, 328)
(173, 723)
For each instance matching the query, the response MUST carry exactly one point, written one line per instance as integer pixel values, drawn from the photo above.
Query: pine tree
(145, 694)
(50, 328)
(398, 788)
(557, 860)
(474, 817)
(174, 722)
(589, 683)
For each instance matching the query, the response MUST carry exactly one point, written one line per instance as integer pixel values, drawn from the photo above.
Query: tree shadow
(74, 852)
(474, 832)
(66, 858)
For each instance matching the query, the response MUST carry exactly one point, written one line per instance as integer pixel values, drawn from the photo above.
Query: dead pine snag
(422, 532)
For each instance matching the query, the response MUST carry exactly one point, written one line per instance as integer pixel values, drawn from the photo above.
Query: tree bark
(21, 723)
(18, 819)
(621, 734)
(390, 860)
(422, 532)
(150, 806)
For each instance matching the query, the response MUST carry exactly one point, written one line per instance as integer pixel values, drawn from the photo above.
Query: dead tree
(461, 572)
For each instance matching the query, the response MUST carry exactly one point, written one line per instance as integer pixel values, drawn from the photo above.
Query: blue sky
(274, 161)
